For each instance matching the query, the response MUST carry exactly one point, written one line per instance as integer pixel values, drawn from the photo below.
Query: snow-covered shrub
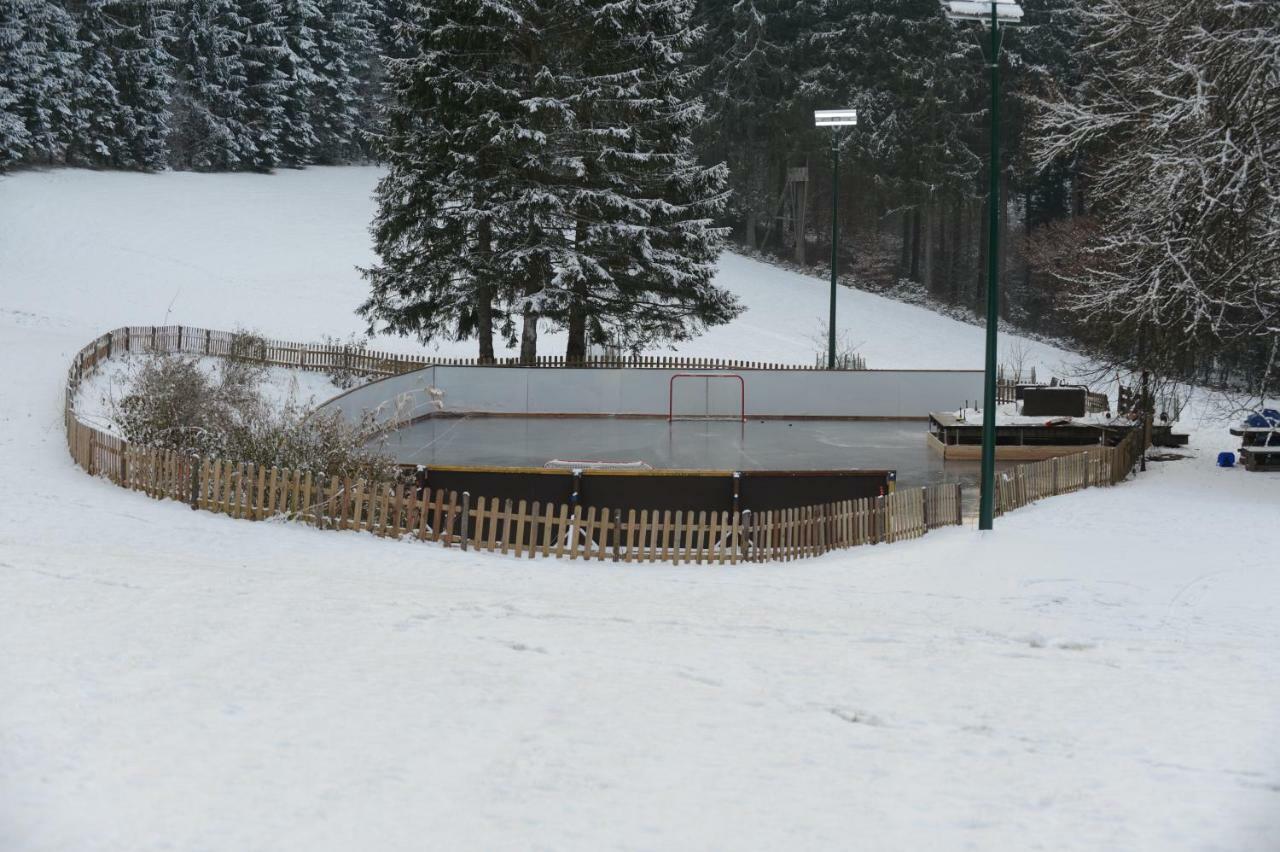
(176, 405)
(346, 375)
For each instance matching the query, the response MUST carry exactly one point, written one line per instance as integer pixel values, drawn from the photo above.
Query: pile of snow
(1101, 672)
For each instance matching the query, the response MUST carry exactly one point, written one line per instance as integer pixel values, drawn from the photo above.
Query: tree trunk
(484, 320)
(915, 243)
(484, 297)
(576, 348)
(927, 249)
(749, 231)
(529, 335)
(801, 211)
(904, 259)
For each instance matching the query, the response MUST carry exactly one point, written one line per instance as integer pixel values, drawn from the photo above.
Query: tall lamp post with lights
(834, 118)
(996, 14)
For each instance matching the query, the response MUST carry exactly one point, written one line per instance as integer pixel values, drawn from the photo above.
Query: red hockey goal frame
(742, 397)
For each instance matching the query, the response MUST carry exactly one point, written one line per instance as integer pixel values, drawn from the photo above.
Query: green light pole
(993, 13)
(834, 118)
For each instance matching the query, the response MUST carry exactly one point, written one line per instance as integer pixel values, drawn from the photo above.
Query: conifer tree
(144, 80)
(299, 143)
(267, 85)
(99, 136)
(640, 265)
(449, 128)
(38, 55)
(549, 178)
(208, 131)
(342, 38)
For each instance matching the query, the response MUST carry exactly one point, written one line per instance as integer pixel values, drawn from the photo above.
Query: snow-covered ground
(1102, 672)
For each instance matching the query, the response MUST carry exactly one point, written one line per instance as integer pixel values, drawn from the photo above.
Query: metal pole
(835, 236)
(986, 497)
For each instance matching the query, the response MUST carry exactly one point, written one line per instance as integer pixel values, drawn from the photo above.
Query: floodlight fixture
(835, 117)
(1006, 12)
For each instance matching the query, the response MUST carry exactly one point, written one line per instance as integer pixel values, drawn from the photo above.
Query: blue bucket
(1226, 459)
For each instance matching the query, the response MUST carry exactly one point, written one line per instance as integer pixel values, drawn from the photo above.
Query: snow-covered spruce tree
(39, 53)
(640, 264)
(749, 86)
(1178, 119)
(207, 130)
(540, 166)
(99, 119)
(452, 107)
(267, 83)
(298, 140)
(908, 72)
(343, 42)
(144, 81)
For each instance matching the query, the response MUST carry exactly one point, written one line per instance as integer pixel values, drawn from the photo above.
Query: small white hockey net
(707, 396)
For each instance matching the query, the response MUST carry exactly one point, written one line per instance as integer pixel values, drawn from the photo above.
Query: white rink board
(533, 391)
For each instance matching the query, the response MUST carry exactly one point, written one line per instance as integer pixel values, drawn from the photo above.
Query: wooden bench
(1260, 458)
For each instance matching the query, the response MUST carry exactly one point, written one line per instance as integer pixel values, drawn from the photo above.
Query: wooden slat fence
(176, 339)
(520, 528)
(1026, 483)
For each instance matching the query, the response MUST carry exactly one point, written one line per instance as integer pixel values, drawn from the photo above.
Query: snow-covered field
(1102, 672)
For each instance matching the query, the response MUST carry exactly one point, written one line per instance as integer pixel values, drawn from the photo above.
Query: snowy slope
(280, 255)
(1100, 673)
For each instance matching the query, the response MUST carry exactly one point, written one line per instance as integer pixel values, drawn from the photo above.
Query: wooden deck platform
(961, 440)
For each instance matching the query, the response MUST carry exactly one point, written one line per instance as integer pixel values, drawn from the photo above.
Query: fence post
(882, 520)
(924, 505)
(959, 511)
(746, 545)
(466, 517)
(195, 482)
(1055, 474)
(617, 534)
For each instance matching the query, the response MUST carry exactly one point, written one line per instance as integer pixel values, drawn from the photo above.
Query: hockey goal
(707, 396)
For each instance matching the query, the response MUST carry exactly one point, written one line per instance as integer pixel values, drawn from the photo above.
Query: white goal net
(707, 396)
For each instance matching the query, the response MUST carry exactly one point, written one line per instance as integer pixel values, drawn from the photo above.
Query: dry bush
(174, 404)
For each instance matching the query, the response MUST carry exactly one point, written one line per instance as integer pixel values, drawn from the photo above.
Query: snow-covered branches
(1178, 121)
(541, 166)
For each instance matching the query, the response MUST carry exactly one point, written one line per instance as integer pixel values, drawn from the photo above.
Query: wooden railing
(515, 527)
(357, 359)
(454, 520)
(1026, 483)
(519, 528)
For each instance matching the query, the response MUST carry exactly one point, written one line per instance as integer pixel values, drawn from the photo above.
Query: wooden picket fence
(520, 528)
(177, 339)
(1026, 483)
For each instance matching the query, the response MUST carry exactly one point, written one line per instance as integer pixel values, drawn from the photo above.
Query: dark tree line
(914, 171)
(1140, 176)
(566, 160)
(211, 85)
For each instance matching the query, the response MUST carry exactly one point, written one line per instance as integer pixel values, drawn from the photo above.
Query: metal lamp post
(834, 118)
(994, 13)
